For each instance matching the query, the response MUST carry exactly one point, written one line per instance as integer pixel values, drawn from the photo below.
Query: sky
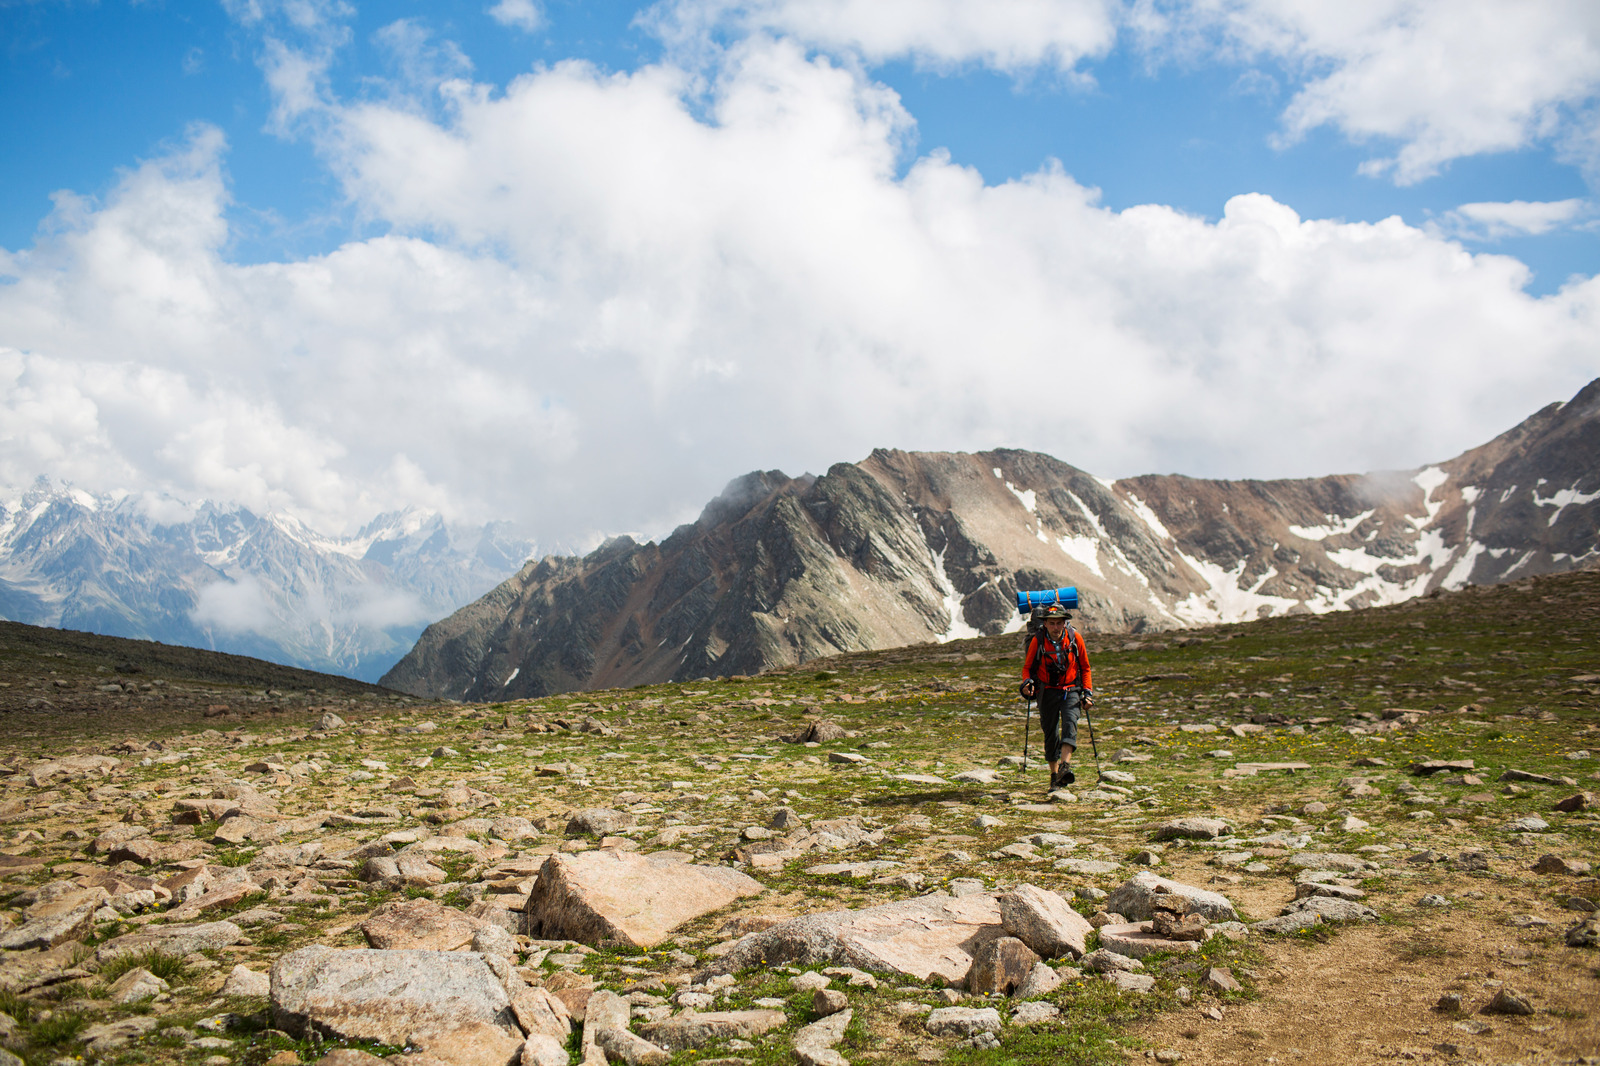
(577, 265)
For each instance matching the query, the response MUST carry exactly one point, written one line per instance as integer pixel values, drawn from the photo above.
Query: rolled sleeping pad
(1067, 597)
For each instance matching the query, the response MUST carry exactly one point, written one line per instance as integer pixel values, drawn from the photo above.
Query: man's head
(1055, 620)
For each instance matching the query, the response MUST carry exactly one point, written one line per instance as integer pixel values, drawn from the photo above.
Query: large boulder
(930, 936)
(365, 994)
(626, 898)
(1001, 967)
(1136, 900)
(1044, 921)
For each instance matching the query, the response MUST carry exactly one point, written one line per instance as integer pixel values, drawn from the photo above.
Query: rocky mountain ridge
(906, 547)
(219, 576)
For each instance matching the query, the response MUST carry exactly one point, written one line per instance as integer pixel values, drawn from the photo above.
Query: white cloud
(1514, 218)
(620, 302)
(1008, 35)
(1441, 79)
(524, 15)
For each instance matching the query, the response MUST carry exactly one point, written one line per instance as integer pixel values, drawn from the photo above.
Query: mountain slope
(907, 547)
(220, 577)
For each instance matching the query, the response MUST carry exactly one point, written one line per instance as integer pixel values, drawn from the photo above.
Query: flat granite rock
(693, 1030)
(1136, 940)
(930, 936)
(631, 899)
(366, 994)
(172, 941)
(1193, 829)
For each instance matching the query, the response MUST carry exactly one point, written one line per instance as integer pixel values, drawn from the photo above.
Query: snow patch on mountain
(1563, 499)
(1147, 516)
(1335, 526)
(1225, 600)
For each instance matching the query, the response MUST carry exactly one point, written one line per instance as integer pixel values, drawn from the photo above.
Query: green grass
(166, 967)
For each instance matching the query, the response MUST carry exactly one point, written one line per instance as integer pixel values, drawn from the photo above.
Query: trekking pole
(1089, 725)
(1027, 733)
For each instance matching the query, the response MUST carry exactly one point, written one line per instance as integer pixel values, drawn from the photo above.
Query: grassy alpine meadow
(1307, 735)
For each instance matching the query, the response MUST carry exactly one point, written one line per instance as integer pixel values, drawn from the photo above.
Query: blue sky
(295, 230)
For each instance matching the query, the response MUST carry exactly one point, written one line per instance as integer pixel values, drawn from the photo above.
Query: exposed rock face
(634, 900)
(907, 546)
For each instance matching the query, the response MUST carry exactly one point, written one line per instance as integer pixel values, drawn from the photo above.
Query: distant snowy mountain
(906, 547)
(218, 576)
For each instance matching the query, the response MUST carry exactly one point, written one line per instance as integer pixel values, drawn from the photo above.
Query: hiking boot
(1066, 776)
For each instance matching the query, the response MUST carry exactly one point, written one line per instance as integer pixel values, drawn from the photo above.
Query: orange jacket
(1042, 654)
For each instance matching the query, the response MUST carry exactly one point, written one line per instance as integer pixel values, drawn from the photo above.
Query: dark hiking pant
(1058, 714)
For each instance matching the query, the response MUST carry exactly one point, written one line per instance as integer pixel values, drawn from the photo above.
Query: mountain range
(908, 547)
(218, 576)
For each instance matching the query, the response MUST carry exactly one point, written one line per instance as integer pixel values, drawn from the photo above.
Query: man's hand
(1028, 689)
(1088, 697)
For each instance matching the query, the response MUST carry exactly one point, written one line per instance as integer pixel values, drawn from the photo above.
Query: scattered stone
(635, 1050)
(631, 899)
(1034, 1013)
(1582, 801)
(1506, 1001)
(135, 986)
(963, 1021)
(1194, 829)
(1042, 981)
(1130, 982)
(813, 1044)
(1537, 779)
(1333, 909)
(1439, 766)
(598, 822)
(1433, 900)
(243, 981)
(1220, 979)
(1585, 934)
(1449, 1003)
(826, 1001)
(1556, 864)
(1102, 960)
(1292, 922)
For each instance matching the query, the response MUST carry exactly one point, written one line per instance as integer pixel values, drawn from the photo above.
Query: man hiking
(1056, 673)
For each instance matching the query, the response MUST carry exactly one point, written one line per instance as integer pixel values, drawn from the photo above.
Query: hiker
(1056, 673)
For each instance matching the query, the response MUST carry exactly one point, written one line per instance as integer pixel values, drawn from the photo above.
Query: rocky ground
(1344, 838)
